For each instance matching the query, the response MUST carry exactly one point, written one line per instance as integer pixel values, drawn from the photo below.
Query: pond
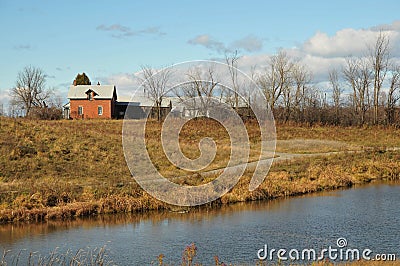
(367, 217)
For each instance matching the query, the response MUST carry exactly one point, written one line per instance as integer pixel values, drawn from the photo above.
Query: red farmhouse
(92, 101)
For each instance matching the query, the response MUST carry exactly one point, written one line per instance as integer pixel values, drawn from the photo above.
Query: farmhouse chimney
(98, 83)
(74, 82)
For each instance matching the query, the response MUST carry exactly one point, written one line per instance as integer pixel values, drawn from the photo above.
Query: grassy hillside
(64, 169)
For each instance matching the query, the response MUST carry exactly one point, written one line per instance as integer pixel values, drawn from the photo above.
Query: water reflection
(368, 216)
(11, 233)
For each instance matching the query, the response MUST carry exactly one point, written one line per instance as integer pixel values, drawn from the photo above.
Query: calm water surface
(367, 216)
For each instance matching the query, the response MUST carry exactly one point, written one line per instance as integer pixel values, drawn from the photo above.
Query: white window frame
(100, 107)
(80, 107)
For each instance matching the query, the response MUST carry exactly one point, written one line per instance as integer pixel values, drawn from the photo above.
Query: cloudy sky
(110, 40)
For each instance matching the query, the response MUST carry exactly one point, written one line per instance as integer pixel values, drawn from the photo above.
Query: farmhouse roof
(100, 91)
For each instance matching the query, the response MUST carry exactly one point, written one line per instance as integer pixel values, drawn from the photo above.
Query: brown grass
(67, 169)
(368, 136)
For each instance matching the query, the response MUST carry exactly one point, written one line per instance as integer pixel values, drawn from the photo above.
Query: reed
(90, 257)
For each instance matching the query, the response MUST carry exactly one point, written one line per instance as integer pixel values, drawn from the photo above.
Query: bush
(46, 113)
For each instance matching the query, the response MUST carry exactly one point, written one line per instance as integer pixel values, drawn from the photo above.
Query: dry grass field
(67, 169)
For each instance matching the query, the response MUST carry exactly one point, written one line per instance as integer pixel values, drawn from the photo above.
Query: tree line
(365, 90)
(372, 83)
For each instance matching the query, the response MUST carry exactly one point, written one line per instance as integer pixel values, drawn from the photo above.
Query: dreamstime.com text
(339, 252)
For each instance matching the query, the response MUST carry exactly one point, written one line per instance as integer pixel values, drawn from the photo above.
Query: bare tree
(250, 86)
(312, 101)
(350, 75)
(57, 101)
(15, 109)
(287, 100)
(198, 94)
(276, 78)
(336, 92)
(232, 62)
(379, 57)
(30, 89)
(1, 109)
(301, 78)
(358, 74)
(393, 95)
(155, 84)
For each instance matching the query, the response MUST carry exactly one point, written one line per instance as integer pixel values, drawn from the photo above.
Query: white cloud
(114, 27)
(121, 31)
(208, 42)
(152, 30)
(23, 47)
(317, 65)
(322, 52)
(4, 100)
(320, 66)
(352, 42)
(346, 42)
(249, 43)
(394, 26)
(4, 95)
(319, 54)
(126, 83)
(63, 68)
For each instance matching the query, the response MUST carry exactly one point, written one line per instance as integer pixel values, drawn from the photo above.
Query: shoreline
(206, 207)
(84, 210)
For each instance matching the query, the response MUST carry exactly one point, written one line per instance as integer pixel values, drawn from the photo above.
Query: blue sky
(110, 40)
